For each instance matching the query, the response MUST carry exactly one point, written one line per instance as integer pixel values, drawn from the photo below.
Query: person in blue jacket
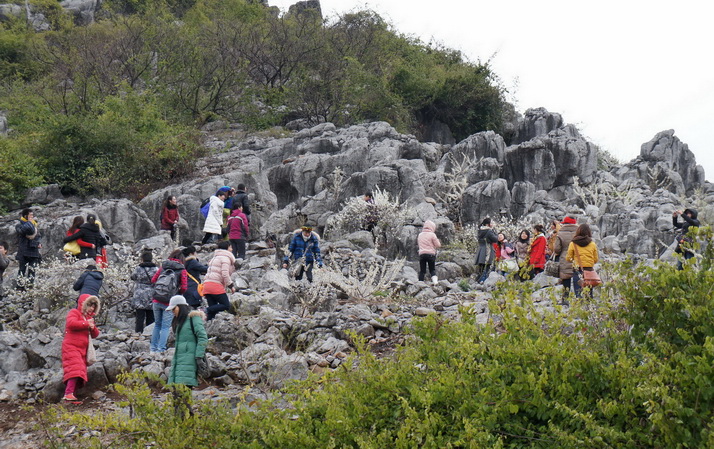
(304, 249)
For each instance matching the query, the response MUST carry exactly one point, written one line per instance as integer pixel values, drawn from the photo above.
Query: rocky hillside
(280, 330)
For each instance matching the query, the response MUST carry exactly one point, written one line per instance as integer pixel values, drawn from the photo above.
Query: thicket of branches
(72, 93)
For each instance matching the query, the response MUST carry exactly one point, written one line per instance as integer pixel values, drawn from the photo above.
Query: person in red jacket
(537, 251)
(76, 223)
(78, 328)
(170, 216)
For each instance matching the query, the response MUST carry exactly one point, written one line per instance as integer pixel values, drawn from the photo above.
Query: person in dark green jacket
(191, 340)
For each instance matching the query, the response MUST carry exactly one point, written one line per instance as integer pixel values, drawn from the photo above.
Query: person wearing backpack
(213, 226)
(238, 230)
(218, 279)
(170, 279)
(194, 269)
(143, 291)
(565, 272)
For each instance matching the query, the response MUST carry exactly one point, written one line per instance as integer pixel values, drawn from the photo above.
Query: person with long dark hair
(162, 320)
(486, 254)
(191, 340)
(582, 252)
(90, 233)
(537, 250)
(170, 216)
(523, 246)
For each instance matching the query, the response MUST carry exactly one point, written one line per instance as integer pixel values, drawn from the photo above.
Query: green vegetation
(101, 107)
(634, 369)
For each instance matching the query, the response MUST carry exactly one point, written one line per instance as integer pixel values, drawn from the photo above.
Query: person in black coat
(194, 268)
(29, 243)
(242, 198)
(90, 233)
(89, 282)
(690, 220)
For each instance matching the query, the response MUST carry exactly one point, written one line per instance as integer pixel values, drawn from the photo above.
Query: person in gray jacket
(143, 291)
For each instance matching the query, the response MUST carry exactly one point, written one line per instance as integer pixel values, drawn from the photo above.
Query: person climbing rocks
(689, 220)
(89, 282)
(428, 244)
(213, 227)
(141, 299)
(194, 269)
(79, 326)
(161, 296)
(218, 280)
(238, 230)
(304, 249)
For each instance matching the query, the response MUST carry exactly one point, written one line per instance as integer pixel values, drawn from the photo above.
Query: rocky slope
(279, 330)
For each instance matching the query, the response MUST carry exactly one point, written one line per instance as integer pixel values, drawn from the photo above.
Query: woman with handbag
(191, 341)
(582, 252)
(79, 327)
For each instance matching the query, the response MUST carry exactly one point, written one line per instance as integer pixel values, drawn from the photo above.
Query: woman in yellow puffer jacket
(586, 257)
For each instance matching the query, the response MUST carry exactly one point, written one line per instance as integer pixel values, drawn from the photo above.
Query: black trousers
(424, 260)
(238, 246)
(216, 303)
(144, 317)
(27, 268)
(305, 269)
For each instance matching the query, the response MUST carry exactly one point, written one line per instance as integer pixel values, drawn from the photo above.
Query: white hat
(176, 301)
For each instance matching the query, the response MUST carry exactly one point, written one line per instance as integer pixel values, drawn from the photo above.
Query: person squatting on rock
(90, 233)
(29, 243)
(191, 340)
(486, 255)
(4, 263)
(218, 279)
(142, 300)
(194, 269)
(583, 254)
(89, 282)
(690, 220)
(536, 257)
(74, 247)
(213, 227)
(170, 216)
(428, 244)
(238, 230)
(78, 328)
(505, 255)
(560, 249)
(173, 281)
(304, 249)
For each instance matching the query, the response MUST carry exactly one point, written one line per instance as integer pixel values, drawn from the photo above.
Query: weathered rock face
(487, 198)
(667, 152)
(83, 11)
(536, 122)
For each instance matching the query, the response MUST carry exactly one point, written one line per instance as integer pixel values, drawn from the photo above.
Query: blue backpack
(205, 207)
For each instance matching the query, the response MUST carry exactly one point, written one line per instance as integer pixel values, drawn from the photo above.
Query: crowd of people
(170, 295)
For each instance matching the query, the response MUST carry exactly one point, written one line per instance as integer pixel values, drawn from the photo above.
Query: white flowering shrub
(390, 216)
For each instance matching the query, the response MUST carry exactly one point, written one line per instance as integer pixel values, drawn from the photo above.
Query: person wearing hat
(560, 248)
(304, 249)
(213, 226)
(191, 340)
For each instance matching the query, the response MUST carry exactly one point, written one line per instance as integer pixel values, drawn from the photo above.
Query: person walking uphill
(143, 291)
(89, 283)
(486, 254)
(213, 226)
(238, 230)
(29, 243)
(304, 244)
(690, 220)
(169, 280)
(218, 279)
(428, 244)
(194, 269)
(78, 328)
(191, 341)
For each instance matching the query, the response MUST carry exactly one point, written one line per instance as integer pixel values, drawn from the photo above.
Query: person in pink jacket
(218, 279)
(428, 244)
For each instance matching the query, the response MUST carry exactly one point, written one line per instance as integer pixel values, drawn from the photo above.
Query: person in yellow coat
(582, 252)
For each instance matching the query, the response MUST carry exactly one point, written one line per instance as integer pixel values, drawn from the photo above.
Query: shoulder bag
(590, 277)
(91, 357)
(199, 284)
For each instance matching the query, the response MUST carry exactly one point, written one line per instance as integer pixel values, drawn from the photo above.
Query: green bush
(526, 379)
(19, 172)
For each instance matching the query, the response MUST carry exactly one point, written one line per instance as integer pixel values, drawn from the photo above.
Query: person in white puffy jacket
(214, 220)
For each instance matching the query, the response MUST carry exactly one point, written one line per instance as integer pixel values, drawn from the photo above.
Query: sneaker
(70, 398)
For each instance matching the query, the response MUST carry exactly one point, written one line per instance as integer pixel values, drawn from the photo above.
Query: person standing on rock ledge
(690, 220)
(29, 243)
(214, 220)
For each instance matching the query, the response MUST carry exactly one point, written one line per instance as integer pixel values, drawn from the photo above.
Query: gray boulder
(666, 150)
(485, 199)
(537, 122)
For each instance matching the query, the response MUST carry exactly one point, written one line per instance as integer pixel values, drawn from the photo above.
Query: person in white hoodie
(214, 220)
(428, 244)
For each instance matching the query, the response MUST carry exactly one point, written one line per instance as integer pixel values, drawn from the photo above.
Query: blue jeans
(576, 284)
(162, 325)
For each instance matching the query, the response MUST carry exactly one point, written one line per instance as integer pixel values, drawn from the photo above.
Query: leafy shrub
(19, 172)
(528, 378)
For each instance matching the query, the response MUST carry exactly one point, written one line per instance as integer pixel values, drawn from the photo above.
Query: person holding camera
(689, 219)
